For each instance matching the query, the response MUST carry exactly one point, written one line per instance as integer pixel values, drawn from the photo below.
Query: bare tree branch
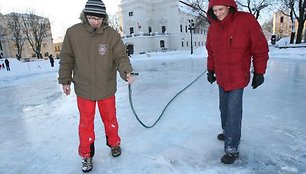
(36, 29)
(296, 10)
(2, 30)
(16, 33)
(114, 23)
(199, 7)
(254, 7)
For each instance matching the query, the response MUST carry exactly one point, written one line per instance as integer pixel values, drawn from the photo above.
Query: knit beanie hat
(95, 8)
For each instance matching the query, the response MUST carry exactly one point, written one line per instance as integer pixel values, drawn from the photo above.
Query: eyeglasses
(92, 18)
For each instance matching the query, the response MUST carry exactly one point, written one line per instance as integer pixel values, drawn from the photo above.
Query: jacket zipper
(230, 57)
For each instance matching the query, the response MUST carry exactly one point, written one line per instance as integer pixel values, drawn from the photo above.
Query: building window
(182, 43)
(195, 44)
(181, 28)
(57, 48)
(162, 43)
(150, 29)
(131, 30)
(281, 19)
(187, 43)
(130, 13)
(186, 29)
(163, 29)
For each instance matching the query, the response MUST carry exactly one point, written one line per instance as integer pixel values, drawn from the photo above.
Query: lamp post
(191, 27)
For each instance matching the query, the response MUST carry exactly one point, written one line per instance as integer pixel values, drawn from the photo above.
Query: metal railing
(146, 34)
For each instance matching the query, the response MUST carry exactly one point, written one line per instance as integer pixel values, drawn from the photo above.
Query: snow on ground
(285, 42)
(38, 123)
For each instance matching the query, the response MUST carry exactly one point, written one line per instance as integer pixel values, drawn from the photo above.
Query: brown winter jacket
(232, 44)
(90, 59)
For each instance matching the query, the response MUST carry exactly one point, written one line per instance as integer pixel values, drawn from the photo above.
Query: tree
(199, 7)
(2, 30)
(16, 33)
(293, 6)
(36, 29)
(287, 9)
(254, 7)
(301, 20)
(114, 23)
(268, 25)
(304, 19)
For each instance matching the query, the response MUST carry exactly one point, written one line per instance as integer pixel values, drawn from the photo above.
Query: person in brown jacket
(91, 54)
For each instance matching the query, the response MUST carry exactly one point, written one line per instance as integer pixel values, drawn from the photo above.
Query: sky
(62, 13)
(39, 124)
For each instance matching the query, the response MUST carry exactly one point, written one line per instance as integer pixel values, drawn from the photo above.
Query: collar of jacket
(91, 30)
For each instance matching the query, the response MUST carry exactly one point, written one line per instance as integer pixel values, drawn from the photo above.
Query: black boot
(86, 164)
(229, 158)
(221, 137)
(116, 151)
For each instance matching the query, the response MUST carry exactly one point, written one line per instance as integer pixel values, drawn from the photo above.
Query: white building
(158, 25)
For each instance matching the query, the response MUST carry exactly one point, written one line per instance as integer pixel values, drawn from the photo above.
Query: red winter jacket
(232, 44)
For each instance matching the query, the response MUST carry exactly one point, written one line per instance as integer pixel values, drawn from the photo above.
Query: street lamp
(191, 27)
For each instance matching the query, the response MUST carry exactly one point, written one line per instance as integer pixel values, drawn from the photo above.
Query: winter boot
(116, 151)
(221, 137)
(229, 158)
(87, 164)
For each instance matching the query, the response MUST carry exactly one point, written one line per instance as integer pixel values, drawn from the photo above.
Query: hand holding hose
(129, 77)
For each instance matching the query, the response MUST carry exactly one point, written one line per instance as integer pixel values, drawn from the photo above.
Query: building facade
(282, 26)
(159, 25)
(57, 42)
(9, 48)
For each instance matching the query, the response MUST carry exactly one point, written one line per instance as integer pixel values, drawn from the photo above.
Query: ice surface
(38, 123)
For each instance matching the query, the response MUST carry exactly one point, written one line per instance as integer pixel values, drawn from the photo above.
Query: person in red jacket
(234, 41)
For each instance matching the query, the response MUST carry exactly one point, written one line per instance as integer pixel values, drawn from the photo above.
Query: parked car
(26, 60)
(273, 39)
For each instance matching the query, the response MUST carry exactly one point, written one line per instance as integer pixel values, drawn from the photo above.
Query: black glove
(211, 77)
(258, 79)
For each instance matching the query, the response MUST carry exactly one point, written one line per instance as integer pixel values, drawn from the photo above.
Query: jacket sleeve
(259, 46)
(120, 57)
(66, 62)
(210, 54)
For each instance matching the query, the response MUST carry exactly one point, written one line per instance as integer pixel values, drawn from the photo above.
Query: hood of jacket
(85, 22)
(210, 14)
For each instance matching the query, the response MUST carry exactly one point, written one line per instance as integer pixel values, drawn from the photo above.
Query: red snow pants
(107, 109)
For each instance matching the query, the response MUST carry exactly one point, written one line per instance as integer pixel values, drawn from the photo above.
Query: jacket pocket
(238, 41)
(238, 47)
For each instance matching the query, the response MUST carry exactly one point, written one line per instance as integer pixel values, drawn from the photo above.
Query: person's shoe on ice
(116, 151)
(221, 137)
(87, 164)
(229, 158)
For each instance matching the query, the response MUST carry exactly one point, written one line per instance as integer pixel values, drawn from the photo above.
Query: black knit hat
(95, 8)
